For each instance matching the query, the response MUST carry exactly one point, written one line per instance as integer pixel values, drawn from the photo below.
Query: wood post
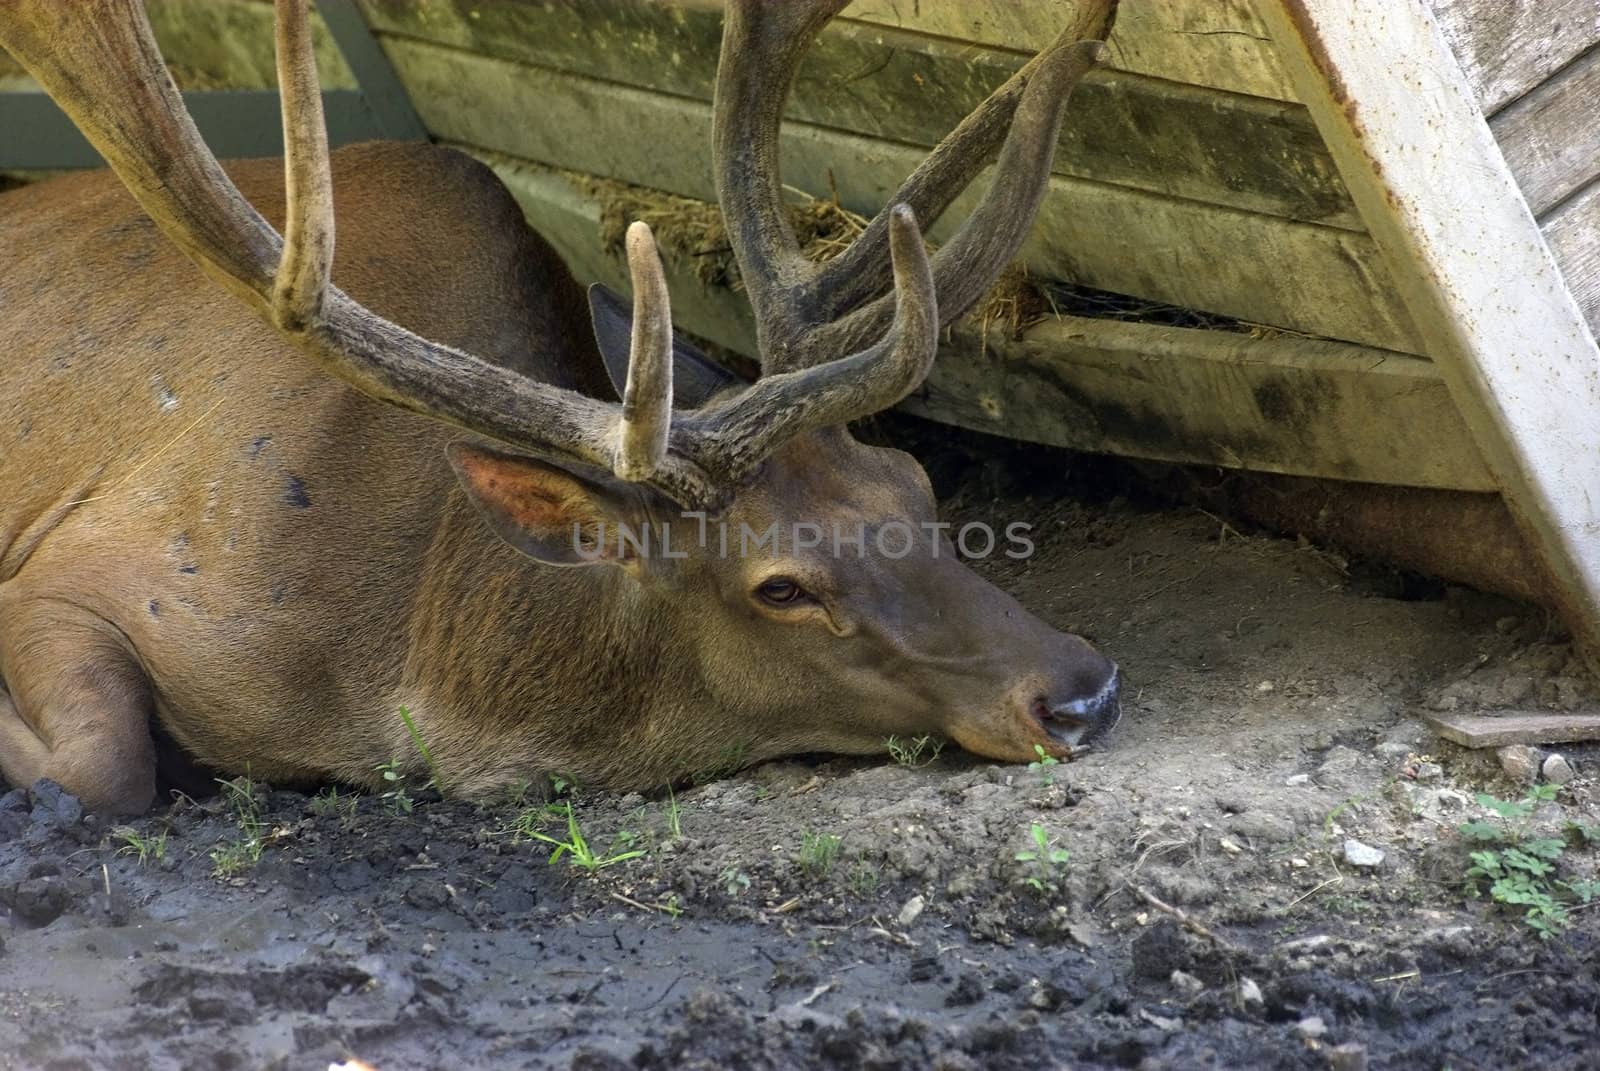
(1429, 180)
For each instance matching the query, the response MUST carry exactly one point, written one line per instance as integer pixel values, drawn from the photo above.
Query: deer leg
(78, 712)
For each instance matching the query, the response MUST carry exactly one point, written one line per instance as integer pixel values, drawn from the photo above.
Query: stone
(1351, 1056)
(1557, 770)
(1311, 1027)
(1187, 984)
(1250, 993)
(912, 910)
(40, 901)
(1520, 762)
(1428, 771)
(1362, 855)
(1299, 780)
(1263, 826)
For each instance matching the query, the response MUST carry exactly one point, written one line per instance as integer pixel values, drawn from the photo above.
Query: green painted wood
(1283, 404)
(1163, 137)
(212, 44)
(1313, 279)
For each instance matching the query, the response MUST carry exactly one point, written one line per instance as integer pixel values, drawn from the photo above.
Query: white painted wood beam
(1474, 272)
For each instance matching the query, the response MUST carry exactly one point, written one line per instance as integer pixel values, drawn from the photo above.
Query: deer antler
(799, 305)
(98, 59)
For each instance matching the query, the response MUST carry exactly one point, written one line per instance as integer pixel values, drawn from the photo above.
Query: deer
(251, 514)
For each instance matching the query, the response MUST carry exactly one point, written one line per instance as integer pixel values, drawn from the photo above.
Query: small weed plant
(575, 847)
(1519, 868)
(864, 877)
(395, 797)
(818, 853)
(236, 856)
(1044, 765)
(330, 803)
(434, 777)
(914, 751)
(735, 882)
(1046, 863)
(674, 814)
(145, 848)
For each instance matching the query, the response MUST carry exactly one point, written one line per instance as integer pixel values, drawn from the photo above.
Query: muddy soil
(1194, 903)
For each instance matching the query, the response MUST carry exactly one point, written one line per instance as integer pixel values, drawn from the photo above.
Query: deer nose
(1078, 720)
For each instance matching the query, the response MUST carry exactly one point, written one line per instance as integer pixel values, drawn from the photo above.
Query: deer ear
(548, 513)
(695, 377)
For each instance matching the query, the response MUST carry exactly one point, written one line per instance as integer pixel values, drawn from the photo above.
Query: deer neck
(515, 665)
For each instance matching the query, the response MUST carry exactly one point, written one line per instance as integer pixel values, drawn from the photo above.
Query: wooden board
(1318, 280)
(1551, 137)
(1499, 730)
(215, 44)
(1506, 47)
(1573, 231)
(1471, 264)
(1216, 43)
(1182, 141)
(1281, 405)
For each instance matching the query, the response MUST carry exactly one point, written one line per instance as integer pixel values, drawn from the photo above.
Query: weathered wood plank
(1216, 43)
(1550, 138)
(213, 44)
(1282, 405)
(1498, 730)
(1318, 280)
(1573, 231)
(1506, 48)
(569, 219)
(1244, 152)
(1471, 264)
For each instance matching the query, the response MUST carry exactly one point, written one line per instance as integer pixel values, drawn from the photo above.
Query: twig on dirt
(631, 902)
(462, 906)
(1225, 530)
(812, 997)
(1403, 976)
(1199, 929)
(787, 906)
(105, 872)
(1335, 880)
(664, 992)
(889, 935)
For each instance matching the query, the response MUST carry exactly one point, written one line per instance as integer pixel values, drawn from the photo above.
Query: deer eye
(780, 591)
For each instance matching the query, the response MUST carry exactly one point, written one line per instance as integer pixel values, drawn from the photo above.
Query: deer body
(311, 541)
(202, 529)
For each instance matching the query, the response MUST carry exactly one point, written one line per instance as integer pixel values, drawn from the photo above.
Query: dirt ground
(1206, 911)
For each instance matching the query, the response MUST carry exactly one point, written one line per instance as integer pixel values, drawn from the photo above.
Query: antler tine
(99, 61)
(967, 264)
(862, 270)
(647, 397)
(762, 42)
(776, 408)
(88, 54)
(303, 270)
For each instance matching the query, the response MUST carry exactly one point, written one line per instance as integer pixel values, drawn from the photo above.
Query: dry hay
(692, 232)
